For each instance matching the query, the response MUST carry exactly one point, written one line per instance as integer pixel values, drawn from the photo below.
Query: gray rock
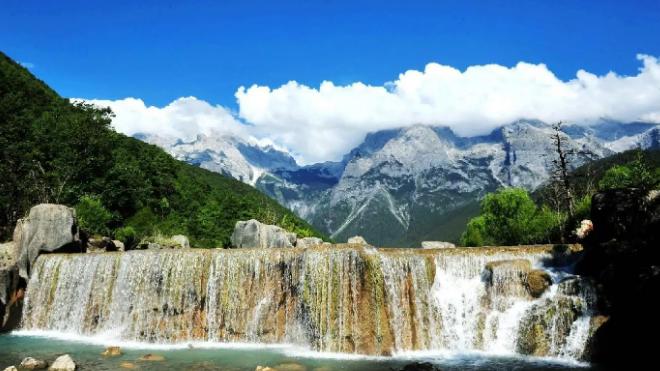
(47, 228)
(437, 245)
(120, 245)
(181, 240)
(306, 242)
(154, 246)
(357, 240)
(101, 245)
(11, 368)
(63, 363)
(30, 363)
(10, 294)
(253, 234)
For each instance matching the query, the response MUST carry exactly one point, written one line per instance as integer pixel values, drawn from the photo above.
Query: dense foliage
(510, 217)
(635, 174)
(56, 151)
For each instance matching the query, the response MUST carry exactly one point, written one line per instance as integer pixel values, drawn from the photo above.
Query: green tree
(635, 174)
(93, 217)
(510, 217)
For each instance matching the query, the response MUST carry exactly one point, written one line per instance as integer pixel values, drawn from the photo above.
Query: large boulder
(47, 228)
(63, 363)
(306, 242)
(437, 245)
(253, 234)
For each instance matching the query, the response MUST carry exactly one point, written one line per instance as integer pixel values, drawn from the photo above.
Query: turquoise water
(13, 348)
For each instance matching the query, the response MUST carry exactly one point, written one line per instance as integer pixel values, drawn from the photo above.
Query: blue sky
(159, 50)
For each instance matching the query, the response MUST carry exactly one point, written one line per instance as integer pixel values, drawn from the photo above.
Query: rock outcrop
(437, 245)
(622, 257)
(11, 290)
(47, 228)
(306, 242)
(253, 234)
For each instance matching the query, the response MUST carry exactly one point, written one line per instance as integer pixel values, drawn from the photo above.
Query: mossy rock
(536, 282)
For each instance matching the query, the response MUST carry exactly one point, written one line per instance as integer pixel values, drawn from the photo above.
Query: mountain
(402, 186)
(226, 154)
(56, 151)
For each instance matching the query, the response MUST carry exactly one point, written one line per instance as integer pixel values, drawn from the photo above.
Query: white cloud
(183, 118)
(323, 123)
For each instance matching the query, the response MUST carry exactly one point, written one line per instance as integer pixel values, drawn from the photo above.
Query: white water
(321, 300)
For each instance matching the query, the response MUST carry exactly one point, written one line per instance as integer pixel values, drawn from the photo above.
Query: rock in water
(359, 240)
(63, 363)
(152, 358)
(47, 228)
(11, 368)
(111, 352)
(306, 242)
(30, 363)
(537, 282)
(437, 245)
(252, 233)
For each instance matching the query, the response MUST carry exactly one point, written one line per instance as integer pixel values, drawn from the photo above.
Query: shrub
(93, 217)
(127, 235)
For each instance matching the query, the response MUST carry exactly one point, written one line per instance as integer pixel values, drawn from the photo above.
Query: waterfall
(339, 299)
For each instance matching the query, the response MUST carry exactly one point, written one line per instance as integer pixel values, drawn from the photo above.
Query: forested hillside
(55, 151)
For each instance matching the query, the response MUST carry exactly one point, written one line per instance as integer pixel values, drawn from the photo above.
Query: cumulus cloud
(183, 118)
(323, 123)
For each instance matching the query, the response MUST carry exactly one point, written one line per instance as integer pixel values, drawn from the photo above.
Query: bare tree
(561, 168)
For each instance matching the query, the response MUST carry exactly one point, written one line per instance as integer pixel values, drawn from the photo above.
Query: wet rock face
(253, 234)
(47, 228)
(536, 282)
(558, 314)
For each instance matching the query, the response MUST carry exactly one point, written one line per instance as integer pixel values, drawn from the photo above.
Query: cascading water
(340, 299)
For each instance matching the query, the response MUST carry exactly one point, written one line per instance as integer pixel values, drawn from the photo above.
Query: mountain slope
(55, 151)
(424, 182)
(402, 186)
